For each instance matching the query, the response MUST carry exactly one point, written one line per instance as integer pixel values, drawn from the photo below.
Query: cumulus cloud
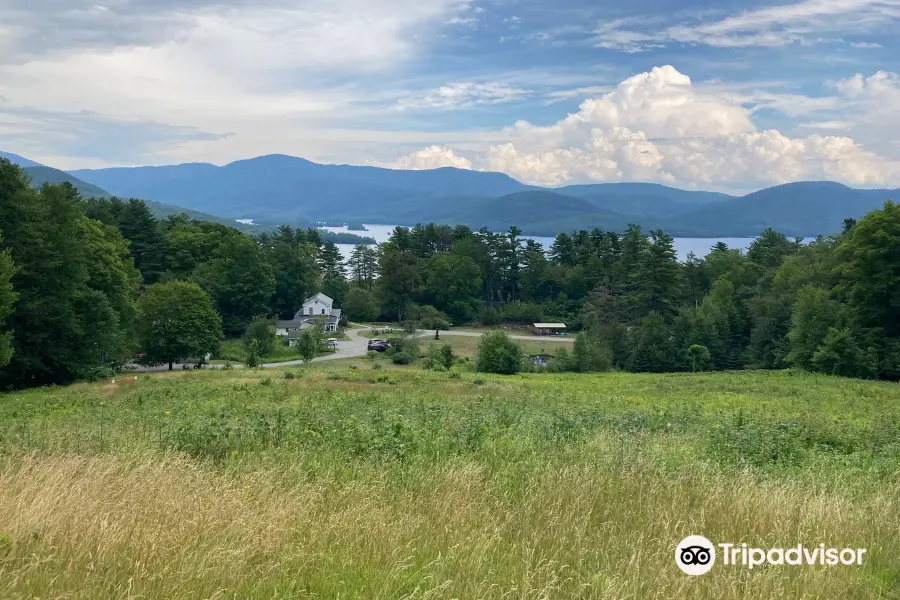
(657, 126)
(462, 95)
(875, 103)
(432, 157)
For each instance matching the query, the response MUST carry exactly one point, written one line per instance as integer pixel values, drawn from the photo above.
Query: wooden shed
(549, 329)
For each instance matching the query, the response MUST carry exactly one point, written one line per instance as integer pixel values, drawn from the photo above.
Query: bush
(497, 353)
(522, 312)
(561, 363)
(98, 373)
(401, 358)
(439, 358)
(408, 345)
(252, 359)
(290, 375)
(699, 357)
(590, 354)
(261, 331)
(488, 316)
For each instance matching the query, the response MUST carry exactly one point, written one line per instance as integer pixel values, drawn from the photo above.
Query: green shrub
(401, 358)
(489, 316)
(290, 375)
(261, 331)
(699, 357)
(497, 353)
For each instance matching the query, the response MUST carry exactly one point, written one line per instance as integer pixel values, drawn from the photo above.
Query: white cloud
(260, 70)
(657, 126)
(874, 104)
(462, 95)
(773, 26)
(432, 157)
(827, 125)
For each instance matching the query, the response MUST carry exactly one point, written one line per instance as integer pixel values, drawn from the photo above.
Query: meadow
(348, 481)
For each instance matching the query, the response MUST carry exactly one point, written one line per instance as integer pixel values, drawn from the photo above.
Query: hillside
(287, 189)
(41, 175)
(797, 209)
(19, 160)
(283, 189)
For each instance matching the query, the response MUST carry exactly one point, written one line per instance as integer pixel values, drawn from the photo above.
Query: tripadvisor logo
(696, 555)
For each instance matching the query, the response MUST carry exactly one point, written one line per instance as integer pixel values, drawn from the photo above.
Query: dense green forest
(86, 284)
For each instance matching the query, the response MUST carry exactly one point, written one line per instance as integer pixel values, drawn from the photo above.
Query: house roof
(550, 325)
(320, 297)
(292, 324)
(336, 313)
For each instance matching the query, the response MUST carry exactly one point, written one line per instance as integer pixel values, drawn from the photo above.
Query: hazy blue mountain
(19, 160)
(643, 190)
(284, 188)
(805, 208)
(41, 175)
(543, 213)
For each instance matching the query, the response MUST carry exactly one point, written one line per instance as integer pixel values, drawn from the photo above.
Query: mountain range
(283, 189)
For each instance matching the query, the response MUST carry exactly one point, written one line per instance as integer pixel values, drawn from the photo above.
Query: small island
(356, 227)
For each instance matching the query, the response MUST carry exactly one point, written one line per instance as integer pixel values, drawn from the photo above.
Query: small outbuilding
(549, 329)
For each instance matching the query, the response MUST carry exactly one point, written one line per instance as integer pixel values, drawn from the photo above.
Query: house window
(310, 311)
(323, 311)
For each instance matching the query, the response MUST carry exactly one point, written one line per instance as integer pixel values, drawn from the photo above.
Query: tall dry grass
(600, 524)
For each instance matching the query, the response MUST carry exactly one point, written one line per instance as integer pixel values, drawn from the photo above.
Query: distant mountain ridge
(41, 175)
(285, 189)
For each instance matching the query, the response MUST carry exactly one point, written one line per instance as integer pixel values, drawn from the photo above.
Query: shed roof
(550, 325)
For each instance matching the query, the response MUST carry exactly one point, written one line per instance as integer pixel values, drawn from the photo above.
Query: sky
(728, 95)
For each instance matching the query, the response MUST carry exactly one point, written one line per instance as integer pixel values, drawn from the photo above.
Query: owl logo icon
(695, 555)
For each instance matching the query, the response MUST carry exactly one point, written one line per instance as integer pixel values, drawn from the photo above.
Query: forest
(87, 284)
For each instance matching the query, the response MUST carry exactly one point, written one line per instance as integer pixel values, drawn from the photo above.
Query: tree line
(86, 284)
(830, 305)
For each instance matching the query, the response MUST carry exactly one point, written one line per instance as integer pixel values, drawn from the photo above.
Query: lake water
(684, 246)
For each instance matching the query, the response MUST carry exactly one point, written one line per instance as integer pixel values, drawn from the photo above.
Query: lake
(684, 246)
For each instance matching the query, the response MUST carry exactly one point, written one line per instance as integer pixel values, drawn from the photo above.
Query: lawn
(468, 346)
(400, 483)
(233, 351)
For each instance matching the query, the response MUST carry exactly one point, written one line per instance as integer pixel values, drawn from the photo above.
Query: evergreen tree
(331, 261)
(143, 231)
(651, 346)
(400, 279)
(7, 302)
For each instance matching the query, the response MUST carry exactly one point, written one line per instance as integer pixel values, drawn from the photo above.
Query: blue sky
(717, 95)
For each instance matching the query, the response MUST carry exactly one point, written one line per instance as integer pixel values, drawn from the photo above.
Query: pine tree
(143, 231)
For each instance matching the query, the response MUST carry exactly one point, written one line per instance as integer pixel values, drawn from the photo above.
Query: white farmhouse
(317, 306)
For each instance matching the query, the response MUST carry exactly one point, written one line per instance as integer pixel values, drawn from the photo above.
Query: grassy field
(468, 346)
(399, 483)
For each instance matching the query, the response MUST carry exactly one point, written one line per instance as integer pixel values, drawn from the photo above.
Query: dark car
(377, 345)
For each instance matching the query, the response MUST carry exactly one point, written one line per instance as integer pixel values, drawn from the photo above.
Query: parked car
(377, 345)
